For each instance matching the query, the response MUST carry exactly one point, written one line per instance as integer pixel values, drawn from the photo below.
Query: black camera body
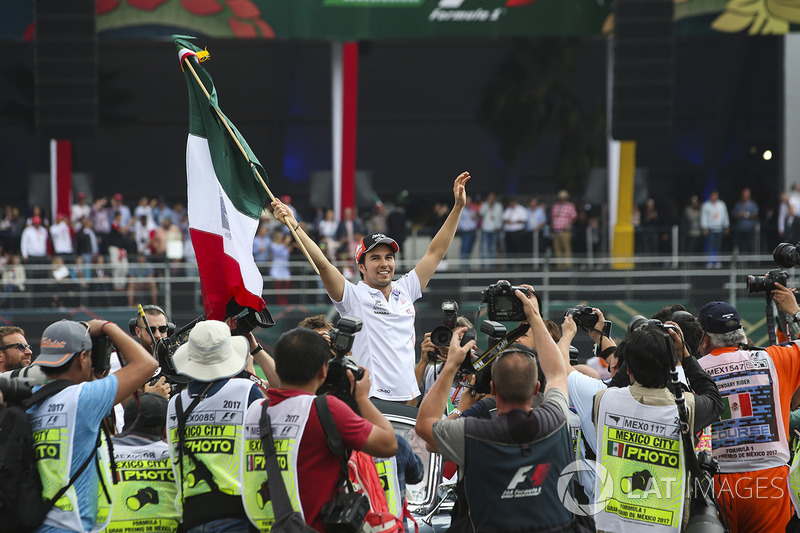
(501, 302)
(101, 353)
(583, 315)
(639, 322)
(441, 334)
(337, 382)
(767, 282)
(346, 513)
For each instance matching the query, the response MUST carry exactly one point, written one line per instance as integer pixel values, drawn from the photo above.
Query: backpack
(21, 506)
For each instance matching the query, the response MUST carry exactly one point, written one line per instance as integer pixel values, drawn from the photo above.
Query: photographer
(65, 354)
(387, 346)
(750, 441)
(508, 487)
(646, 461)
(204, 426)
(15, 352)
(301, 360)
(428, 371)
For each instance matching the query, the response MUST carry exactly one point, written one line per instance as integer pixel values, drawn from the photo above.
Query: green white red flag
(225, 198)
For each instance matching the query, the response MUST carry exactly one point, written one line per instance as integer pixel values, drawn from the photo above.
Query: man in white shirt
(385, 345)
(491, 223)
(61, 234)
(33, 241)
(514, 219)
(715, 223)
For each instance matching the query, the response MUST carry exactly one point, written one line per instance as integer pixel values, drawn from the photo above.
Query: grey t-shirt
(449, 434)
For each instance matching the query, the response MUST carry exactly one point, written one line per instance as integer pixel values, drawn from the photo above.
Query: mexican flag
(617, 449)
(736, 406)
(225, 198)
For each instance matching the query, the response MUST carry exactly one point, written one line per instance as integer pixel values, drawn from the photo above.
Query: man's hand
(677, 342)
(283, 213)
(595, 332)
(460, 190)
(470, 396)
(428, 347)
(161, 387)
(569, 328)
(455, 352)
(361, 391)
(785, 300)
(529, 304)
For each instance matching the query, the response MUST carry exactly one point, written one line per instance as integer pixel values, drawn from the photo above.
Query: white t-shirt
(385, 344)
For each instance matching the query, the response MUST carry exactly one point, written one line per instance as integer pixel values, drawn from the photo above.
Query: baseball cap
(154, 413)
(81, 194)
(36, 220)
(60, 341)
(117, 196)
(371, 241)
(719, 317)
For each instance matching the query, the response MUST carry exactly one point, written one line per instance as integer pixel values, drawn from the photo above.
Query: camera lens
(786, 255)
(756, 284)
(441, 335)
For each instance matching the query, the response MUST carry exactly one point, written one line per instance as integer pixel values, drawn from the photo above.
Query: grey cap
(153, 416)
(60, 341)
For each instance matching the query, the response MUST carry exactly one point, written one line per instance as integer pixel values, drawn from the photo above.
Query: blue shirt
(409, 465)
(94, 403)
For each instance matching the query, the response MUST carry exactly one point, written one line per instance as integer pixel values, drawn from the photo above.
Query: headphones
(133, 322)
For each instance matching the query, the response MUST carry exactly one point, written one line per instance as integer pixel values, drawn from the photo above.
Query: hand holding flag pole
(186, 60)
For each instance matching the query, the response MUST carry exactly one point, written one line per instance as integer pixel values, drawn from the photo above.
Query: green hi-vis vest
(641, 448)
(144, 495)
(213, 433)
(53, 425)
(387, 473)
(289, 419)
(794, 476)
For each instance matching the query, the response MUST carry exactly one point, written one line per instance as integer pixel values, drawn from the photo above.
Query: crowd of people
(535, 441)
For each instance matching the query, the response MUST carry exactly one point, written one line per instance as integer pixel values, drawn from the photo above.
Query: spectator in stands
(161, 210)
(117, 206)
(515, 217)
(491, 213)
(261, 243)
(79, 210)
(143, 231)
(791, 226)
(651, 228)
(377, 221)
(101, 280)
(715, 224)
(349, 231)
(536, 225)
(38, 211)
(80, 274)
(279, 266)
(86, 243)
(468, 228)
(102, 217)
(143, 208)
(142, 278)
(562, 216)
(15, 352)
(13, 279)
(745, 216)
(33, 244)
(61, 236)
(690, 226)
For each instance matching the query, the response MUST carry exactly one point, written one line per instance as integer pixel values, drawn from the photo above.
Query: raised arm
(568, 331)
(549, 354)
(331, 277)
(441, 241)
(140, 364)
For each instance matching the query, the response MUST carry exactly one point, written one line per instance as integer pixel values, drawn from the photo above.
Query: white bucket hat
(211, 352)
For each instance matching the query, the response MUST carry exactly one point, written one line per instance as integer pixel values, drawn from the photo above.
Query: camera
(441, 335)
(786, 255)
(767, 282)
(501, 302)
(337, 382)
(639, 322)
(583, 315)
(101, 353)
(346, 513)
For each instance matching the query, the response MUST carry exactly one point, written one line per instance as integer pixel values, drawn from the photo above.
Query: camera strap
(489, 356)
(332, 436)
(286, 518)
(205, 473)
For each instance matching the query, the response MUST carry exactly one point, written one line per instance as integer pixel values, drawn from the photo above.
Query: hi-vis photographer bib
(750, 434)
(144, 495)
(640, 446)
(213, 433)
(288, 419)
(53, 425)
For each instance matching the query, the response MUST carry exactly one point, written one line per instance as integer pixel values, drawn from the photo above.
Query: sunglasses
(161, 329)
(21, 346)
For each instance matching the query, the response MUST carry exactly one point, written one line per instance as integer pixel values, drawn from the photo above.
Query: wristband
(608, 351)
(257, 349)
(796, 317)
(104, 325)
(297, 227)
(457, 411)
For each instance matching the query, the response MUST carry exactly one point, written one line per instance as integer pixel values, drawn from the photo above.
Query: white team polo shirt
(385, 344)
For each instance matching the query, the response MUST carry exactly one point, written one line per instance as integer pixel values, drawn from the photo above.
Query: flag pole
(244, 153)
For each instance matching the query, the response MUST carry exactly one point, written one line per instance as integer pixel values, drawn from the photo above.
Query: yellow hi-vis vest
(144, 495)
(288, 419)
